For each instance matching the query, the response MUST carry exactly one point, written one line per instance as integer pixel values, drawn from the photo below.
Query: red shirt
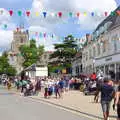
(93, 76)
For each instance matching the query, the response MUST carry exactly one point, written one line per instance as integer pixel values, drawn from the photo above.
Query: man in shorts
(107, 93)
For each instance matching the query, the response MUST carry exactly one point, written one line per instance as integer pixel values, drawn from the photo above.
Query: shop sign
(108, 59)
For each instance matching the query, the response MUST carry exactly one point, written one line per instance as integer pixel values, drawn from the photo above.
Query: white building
(104, 50)
(77, 64)
(36, 71)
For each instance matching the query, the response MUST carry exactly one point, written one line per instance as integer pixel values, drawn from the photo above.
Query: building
(35, 70)
(40, 69)
(15, 59)
(77, 64)
(103, 52)
(45, 58)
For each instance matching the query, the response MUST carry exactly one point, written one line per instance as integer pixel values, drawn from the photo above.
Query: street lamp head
(93, 60)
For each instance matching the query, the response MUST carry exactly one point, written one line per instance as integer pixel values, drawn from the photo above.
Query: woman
(117, 102)
(9, 85)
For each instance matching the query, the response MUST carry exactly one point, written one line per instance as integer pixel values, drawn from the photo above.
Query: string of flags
(28, 13)
(43, 34)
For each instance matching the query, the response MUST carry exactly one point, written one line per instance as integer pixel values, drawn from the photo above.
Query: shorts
(105, 106)
(118, 110)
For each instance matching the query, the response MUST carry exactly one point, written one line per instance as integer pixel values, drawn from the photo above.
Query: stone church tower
(20, 37)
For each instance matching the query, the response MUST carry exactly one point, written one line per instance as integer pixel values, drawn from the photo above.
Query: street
(14, 107)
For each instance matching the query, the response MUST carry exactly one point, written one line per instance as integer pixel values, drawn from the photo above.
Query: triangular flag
(55, 14)
(85, 13)
(40, 34)
(37, 14)
(10, 12)
(112, 13)
(78, 14)
(118, 12)
(36, 34)
(70, 14)
(52, 36)
(19, 13)
(28, 13)
(60, 14)
(5, 26)
(44, 35)
(44, 14)
(106, 13)
(92, 14)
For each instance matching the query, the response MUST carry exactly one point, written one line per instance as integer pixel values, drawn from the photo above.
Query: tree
(65, 51)
(31, 53)
(5, 67)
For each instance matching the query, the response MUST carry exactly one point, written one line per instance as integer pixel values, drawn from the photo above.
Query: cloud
(57, 26)
(48, 41)
(6, 38)
(6, 34)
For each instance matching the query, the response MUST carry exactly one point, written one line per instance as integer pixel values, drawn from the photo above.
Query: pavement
(76, 102)
(16, 107)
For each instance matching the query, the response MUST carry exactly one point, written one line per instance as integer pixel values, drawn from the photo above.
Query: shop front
(109, 65)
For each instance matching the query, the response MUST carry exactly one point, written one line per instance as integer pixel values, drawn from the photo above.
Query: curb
(69, 108)
(93, 117)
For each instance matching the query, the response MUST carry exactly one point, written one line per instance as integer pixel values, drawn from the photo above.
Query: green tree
(5, 67)
(31, 53)
(65, 52)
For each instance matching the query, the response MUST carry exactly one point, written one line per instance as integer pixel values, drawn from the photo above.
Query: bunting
(10, 12)
(19, 13)
(60, 14)
(44, 14)
(28, 13)
(5, 26)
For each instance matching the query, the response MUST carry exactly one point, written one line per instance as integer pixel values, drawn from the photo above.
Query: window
(114, 42)
(90, 54)
(94, 52)
(104, 46)
(86, 56)
(21, 40)
(98, 49)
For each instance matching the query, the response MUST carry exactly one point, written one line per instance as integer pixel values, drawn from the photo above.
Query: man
(107, 93)
(93, 76)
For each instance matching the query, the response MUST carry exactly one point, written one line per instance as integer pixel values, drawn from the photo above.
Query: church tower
(20, 37)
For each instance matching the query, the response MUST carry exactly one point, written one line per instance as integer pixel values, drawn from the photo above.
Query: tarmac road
(15, 107)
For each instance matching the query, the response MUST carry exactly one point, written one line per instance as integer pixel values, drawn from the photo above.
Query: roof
(115, 19)
(32, 67)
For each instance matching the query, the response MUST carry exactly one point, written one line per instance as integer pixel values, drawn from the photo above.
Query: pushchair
(91, 88)
(29, 90)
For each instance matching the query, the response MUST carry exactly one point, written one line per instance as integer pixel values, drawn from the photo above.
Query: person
(107, 93)
(24, 83)
(117, 102)
(93, 76)
(46, 90)
(57, 90)
(9, 85)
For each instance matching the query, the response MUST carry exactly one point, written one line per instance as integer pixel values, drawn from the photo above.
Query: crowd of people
(95, 83)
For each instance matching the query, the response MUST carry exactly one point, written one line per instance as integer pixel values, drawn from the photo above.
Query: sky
(51, 25)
